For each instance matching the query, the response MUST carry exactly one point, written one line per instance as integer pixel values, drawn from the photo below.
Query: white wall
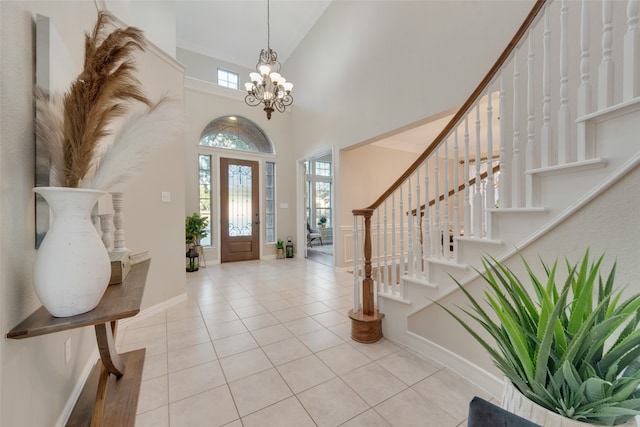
(35, 381)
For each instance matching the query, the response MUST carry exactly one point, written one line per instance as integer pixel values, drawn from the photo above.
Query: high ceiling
(236, 30)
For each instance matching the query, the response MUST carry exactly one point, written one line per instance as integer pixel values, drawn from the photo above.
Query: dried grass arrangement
(72, 127)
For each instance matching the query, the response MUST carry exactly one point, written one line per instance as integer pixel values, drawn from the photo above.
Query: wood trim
(537, 7)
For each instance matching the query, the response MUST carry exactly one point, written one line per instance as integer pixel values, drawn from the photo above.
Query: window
(318, 191)
(270, 208)
(227, 78)
(204, 161)
(235, 133)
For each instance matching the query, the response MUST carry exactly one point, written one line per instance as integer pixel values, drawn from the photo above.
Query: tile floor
(266, 343)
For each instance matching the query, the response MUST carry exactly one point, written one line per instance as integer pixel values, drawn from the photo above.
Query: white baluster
(477, 195)
(605, 71)
(402, 232)
(445, 204)
(490, 194)
(530, 150)
(409, 228)
(631, 66)
(387, 271)
(379, 283)
(106, 226)
(546, 138)
(356, 267)
(584, 90)
(417, 256)
(394, 254)
(517, 173)
(456, 213)
(426, 222)
(505, 184)
(564, 128)
(467, 205)
(437, 238)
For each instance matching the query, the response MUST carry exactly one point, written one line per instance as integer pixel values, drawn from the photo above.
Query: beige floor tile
(227, 329)
(260, 321)
(410, 409)
(234, 344)
(211, 408)
(145, 333)
(343, 330)
(191, 381)
(332, 403)
(244, 364)
(450, 392)
(184, 325)
(376, 350)
(343, 358)
(287, 413)
(258, 391)
(277, 305)
(158, 417)
(244, 302)
(250, 311)
(187, 357)
(331, 318)
(154, 366)
(367, 419)
(289, 314)
(217, 317)
(153, 346)
(315, 308)
(154, 393)
(409, 367)
(320, 340)
(304, 373)
(154, 319)
(373, 383)
(303, 326)
(187, 338)
(285, 351)
(271, 334)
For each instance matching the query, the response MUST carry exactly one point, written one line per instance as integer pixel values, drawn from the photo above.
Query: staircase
(551, 129)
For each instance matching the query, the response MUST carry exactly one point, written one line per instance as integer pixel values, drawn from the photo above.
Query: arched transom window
(235, 133)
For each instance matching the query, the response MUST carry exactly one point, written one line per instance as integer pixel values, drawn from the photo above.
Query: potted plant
(279, 249)
(322, 222)
(571, 347)
(196, 228)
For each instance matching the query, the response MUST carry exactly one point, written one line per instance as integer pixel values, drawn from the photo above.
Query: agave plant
(573, 349)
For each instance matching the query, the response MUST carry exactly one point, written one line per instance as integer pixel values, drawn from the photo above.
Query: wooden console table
(96, 407)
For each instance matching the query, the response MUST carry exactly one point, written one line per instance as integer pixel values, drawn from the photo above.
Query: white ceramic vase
(515, 402)
(72, 267)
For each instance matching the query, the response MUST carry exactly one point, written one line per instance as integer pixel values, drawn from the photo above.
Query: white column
(426, 222)
(546, 138)
(515, 165)
(119, 244)
(478, 209)
(456, 198)
(445, 204)
(530, 150)
(106, 226)
(466, 205)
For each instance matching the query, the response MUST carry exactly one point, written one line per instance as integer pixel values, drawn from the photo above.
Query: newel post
(366, 324)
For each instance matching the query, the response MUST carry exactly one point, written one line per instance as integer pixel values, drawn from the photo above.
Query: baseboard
(150, 311)
(77, 389)
(473, 373)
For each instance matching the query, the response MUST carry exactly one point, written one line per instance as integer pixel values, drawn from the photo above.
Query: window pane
(270, 231)
(323, 202)
(323, 168)
(240, 197)
(227, 78)
(205, 193)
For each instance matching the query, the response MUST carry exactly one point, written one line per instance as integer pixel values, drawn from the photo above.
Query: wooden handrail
(452, 192)
(537, 7)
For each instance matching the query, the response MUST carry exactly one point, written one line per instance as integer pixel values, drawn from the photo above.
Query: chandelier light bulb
(275, 77)
(288, 86)
(255, 78)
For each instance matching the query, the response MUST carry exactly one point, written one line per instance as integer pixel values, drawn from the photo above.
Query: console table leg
(101, 398)
(107, 348)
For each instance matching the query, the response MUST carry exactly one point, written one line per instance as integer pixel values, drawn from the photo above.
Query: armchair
(313, 234)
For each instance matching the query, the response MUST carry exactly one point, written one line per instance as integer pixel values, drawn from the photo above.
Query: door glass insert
(240, 198)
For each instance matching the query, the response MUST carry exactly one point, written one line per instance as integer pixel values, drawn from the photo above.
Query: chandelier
(267, 86)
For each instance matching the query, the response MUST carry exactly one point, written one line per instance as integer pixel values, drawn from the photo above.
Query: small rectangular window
(204, 162)
(227, 78)
(270, 208)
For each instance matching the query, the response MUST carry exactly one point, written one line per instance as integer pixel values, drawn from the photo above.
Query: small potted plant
(196, 228)
(571, 348)
(280, 249)
(322, 222)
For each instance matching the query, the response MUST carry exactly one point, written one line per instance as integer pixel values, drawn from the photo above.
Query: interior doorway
(239, 210)
(318, 208)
